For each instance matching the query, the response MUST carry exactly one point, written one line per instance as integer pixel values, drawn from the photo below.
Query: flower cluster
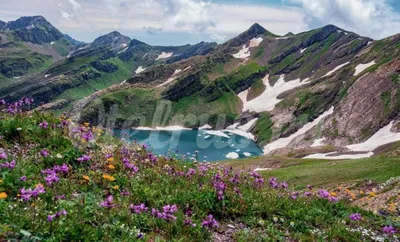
(138, 209)
(50, 218)
(51, 174)
(210, 222)
(108, 203)
(27, 194)
(84, 158)
(167, 214)
(355, 216)
(130, 166)
(9, 165)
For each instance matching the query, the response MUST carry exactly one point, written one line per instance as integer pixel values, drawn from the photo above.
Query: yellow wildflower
(111, 167)
(1, 181)
(115, 187)
(108, 177)
(111, 159)
(86, 124)
(86, 178)
(372, 194)
(334, 194)
(3, 195)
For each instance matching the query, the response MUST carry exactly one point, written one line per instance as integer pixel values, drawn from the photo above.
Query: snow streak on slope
(336, 69)
(165, 55)
(242, 130)
(140, 69)
(245, 53)
(177, 71)
(268, 99)
(361, 67)
(283, 142)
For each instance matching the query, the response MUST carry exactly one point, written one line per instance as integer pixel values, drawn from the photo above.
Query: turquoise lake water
(193, 144)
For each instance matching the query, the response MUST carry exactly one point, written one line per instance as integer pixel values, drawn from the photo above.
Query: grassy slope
(326, 173)
(156, 183)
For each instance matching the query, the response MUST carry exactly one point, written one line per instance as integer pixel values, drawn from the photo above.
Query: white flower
(59, 156)
(19, 129)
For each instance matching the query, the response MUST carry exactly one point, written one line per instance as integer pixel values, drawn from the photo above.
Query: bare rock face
(370, 104)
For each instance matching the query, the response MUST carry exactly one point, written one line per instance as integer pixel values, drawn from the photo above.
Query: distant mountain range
(279, 89)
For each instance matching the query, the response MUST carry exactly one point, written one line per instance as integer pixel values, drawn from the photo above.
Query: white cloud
(372, 18)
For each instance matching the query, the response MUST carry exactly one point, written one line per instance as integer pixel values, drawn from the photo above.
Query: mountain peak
(114, 38)
(256, 29)
(34, 29)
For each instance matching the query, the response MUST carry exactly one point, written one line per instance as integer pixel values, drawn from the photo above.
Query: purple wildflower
(50, 218)
(284, 184)
(125, 193)
(3, 156)
(138, 209)
(44, 153)
(355, 216)
(84, 158)
(307, 194)
(139, 236)
(26, 194)
(2, 102)
(389, 230)
(210, 222)
(51, 178)
(189, 222)
(323, 193)
(9, 165)
(87, 136)
(44, 125)
(167, 214)
(108, 203)
(191, 172)
(23, 178)
(273, 182)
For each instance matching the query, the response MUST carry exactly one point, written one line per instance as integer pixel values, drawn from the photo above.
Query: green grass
(256, 89)
(263, 129)
(329, 173)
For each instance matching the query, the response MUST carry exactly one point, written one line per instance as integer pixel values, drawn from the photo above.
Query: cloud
(194, 14)
(70, 10)
(151, 30)
(373, 18)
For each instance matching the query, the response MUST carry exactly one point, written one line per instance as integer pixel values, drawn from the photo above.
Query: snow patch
(302, 50)
(17, 77)
(45, 76)
(177, 71)
(242, 130)
(361, 67)
(381, 137)
(165, 55)
(338, 157)
(52, 43)
(139, 69)
(243, 95)
(124, 45)
(284, 142)
(282, 38)
(169, 128)
(370, 42)
(232, 155)
(247, 154)
(245, 53)
(254, 42)
(268, 99)
(206, 126)
(336, 68)
(217, 133)
(123, 50)
(263, 169)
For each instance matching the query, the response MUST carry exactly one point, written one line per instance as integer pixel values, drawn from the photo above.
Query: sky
(178, 22)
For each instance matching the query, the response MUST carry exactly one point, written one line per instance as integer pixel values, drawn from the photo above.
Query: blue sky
(176, 22)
